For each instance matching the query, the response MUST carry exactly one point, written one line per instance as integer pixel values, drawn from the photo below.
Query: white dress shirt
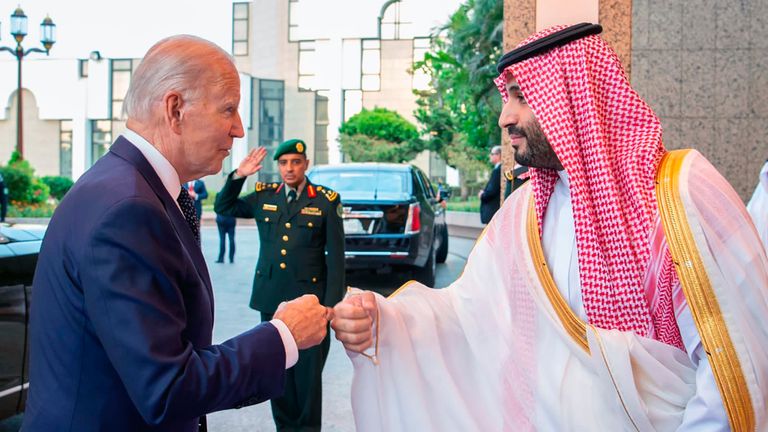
(298, 190)
(705, 411)
(170, 179)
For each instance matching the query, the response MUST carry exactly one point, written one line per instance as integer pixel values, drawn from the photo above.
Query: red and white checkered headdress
(609, 142)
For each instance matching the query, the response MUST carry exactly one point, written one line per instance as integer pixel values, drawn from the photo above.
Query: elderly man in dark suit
(490, 196)
(123, 305)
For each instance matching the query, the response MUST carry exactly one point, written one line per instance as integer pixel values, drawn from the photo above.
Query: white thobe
(758, 206)
(705, 411)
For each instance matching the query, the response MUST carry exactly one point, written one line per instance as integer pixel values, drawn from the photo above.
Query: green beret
(295, 146)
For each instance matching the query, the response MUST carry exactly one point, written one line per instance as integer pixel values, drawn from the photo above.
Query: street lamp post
(19, 31)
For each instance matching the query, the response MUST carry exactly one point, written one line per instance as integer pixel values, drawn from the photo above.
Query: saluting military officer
(298, 223)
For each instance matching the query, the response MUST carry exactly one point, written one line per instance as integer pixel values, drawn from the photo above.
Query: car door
(425, 200)
(13, 331)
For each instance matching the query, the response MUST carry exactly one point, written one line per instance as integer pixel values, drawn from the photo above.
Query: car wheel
(426, 274)
(442, 251)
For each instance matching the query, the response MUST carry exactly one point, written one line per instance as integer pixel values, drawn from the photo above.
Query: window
(121, 79)
(392, 25)
(240, 29)
(82, 68)
(349, 181)
(271, 114)
(351, 53)
(101, 138)
(426, 184)
(65, 148)
(307, 65)
(371, 65)
(353, 103)
(321, 128)
(420, 78)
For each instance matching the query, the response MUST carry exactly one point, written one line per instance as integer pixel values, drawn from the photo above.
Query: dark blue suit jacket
(202, 194)
(122, 315)
(491, 199)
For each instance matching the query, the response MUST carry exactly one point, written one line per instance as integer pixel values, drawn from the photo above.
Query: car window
(362, 181)
(418, 188)
(430, 188)
(423, 183)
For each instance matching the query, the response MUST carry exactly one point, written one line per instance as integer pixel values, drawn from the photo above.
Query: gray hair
(180, 63)
(496, 150)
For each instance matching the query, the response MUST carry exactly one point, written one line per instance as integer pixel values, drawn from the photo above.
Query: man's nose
(508, 115)
(237, 127)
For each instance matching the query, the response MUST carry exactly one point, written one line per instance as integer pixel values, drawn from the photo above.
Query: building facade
(296, 82)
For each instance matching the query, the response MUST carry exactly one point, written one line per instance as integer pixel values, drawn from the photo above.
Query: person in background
(443, 193)
(490, 197)
(302, 251)
(226, 226)
(198, 193)
(515, 177)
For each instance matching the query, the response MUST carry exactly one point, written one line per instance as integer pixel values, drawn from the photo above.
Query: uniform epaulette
(329, 193)
(509, 174)
(261, 186)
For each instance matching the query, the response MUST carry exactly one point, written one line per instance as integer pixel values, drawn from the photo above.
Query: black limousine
(392, 217)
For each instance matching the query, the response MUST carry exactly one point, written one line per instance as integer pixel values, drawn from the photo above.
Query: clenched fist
(353, 319)
(306, 318)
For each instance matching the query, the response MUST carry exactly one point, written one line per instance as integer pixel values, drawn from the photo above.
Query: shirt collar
(159, 163)
(563, 175)
(298, 189)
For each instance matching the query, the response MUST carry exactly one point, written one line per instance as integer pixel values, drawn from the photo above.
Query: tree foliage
(379, 135)
(461, 110)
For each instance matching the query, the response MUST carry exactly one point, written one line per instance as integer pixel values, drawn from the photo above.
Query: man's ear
(173, 110)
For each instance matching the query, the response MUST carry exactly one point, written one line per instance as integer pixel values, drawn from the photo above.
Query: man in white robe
(758, 205)
(622, 288)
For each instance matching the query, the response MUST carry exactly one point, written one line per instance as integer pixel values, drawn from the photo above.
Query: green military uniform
(294, 239)
(514, 178)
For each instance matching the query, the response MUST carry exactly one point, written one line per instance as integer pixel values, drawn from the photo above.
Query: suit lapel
(125, 150)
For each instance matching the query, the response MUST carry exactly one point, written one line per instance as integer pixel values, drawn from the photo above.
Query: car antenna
(376, 188)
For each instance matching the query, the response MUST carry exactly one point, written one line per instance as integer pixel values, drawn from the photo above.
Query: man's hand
(252, 162)
(306, 318)
(353, 319)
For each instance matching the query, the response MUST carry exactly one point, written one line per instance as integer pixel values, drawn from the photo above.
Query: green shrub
(362, 148)
(38, 193)
(379, 135)
(18, 180)
(471, 205)
(17, 209)
(58, 185)
(380, 123)
(21, 182)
